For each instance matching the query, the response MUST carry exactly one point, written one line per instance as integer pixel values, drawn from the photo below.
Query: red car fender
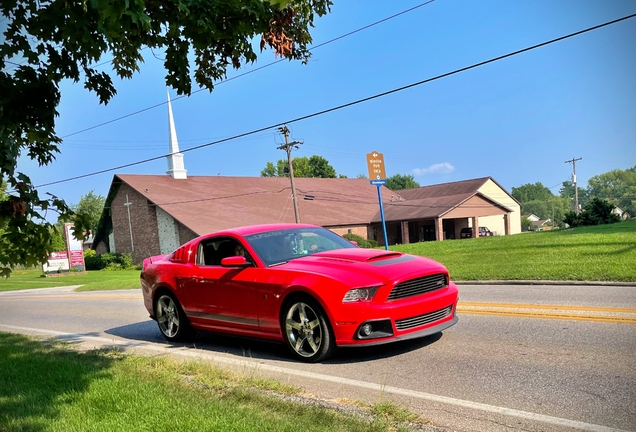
(164, 276)
(319, 287)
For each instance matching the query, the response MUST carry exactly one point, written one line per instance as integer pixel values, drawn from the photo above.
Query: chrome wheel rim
(303, 329)
(167, 316)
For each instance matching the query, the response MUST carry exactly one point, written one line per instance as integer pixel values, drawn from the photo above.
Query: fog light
(366, 329)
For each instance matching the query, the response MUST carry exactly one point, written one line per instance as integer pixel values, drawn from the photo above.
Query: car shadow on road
(212, 343)
(378, 352)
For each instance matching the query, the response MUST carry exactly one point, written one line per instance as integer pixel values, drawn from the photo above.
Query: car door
(220, 297)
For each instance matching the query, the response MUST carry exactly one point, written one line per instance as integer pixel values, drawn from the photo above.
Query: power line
(248, 72)
(349, 104)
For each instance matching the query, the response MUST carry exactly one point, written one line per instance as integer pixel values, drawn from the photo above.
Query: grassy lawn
(92, 281)
(599, 253)
(48, 387)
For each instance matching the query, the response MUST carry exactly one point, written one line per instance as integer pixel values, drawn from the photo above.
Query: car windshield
(276, 247)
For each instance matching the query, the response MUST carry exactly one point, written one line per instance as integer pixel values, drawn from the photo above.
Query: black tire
(306, 329)
(171, 319)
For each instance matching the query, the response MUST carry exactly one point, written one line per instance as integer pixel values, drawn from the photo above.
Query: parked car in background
(302, 285)
(468, 232)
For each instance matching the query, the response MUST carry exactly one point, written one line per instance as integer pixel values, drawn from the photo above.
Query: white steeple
(176, 168)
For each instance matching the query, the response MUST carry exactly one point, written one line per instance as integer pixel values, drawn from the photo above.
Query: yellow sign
(375, 163)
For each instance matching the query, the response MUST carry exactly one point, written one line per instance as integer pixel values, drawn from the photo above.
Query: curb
(545, 282)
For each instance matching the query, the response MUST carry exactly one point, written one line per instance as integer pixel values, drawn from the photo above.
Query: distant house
(542, 225)
(533, 218)
(88, 243)
(620, 213)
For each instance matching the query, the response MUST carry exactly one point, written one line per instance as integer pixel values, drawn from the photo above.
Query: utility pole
(576, 188)
(287, 147)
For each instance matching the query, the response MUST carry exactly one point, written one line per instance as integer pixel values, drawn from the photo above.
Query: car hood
(361, 267)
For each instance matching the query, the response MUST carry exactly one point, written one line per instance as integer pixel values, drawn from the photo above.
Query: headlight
(360, 294)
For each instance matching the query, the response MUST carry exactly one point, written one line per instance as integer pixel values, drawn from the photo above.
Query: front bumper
(413, 335)
(396, 320)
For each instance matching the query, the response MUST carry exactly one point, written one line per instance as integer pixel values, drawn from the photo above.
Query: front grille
(408, 323)
(418, 286)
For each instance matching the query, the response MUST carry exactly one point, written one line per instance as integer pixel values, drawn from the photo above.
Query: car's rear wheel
(173, 324)
(307, 330)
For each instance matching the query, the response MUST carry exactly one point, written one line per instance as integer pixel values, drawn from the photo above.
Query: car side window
(212, 251)
(207, 254)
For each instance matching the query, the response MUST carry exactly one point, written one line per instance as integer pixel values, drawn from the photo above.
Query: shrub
(597, 212)
(526, 225)
(110, 261)
(362, 242)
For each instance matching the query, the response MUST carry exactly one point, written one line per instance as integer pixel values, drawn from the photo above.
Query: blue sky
(516, 120)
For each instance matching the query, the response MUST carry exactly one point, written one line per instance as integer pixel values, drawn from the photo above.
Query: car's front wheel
(307, 330)
(173, 324)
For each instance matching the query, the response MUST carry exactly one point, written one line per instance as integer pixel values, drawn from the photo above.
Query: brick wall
(143, 219)
(360, 230)
(186, 234)
(100, 248)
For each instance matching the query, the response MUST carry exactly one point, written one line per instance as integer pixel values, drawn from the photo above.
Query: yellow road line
(593, 318)
(546, 307)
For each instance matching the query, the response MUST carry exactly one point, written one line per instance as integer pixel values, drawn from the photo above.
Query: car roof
(256, 229)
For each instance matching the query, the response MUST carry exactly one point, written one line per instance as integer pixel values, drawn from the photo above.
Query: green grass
(599, 253)
(91, 281)
(47, 387)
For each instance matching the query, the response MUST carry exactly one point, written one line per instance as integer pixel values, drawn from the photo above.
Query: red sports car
(298, 284)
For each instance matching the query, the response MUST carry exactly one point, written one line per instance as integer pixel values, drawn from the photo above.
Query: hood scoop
(386, 255)
(357, 254)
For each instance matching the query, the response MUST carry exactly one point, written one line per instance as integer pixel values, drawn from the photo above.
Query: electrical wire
(248, 72)
(349, 104)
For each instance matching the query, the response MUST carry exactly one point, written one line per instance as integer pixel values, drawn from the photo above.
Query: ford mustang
(298, 284)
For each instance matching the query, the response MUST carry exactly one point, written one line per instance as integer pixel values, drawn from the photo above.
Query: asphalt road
(520, 358)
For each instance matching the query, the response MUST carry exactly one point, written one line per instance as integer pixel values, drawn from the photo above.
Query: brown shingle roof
(211, 203)
(445, 189)
(421, 208)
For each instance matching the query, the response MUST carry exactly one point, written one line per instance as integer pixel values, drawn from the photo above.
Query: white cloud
(440, 168)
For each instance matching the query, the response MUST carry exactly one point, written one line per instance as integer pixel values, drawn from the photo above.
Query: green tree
(567, 192)
(91, 205)
(302, 168)
(57, 240)
(526, 224)
(596, 212)
(320, 167)
(3, 197)
(54, 40)
(553, 208)
(618, 187)
(314, 166)
(272, 170)
(531, 192)
(401, 181)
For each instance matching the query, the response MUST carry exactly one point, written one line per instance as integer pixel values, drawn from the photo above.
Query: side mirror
(354, 242)
(235, 261)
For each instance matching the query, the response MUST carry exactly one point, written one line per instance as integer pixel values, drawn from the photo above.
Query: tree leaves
(51, 41)
(314, 166)
(401, 181)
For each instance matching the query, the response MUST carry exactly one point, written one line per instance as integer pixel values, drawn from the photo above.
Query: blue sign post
(377, 175)
(379, 184)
